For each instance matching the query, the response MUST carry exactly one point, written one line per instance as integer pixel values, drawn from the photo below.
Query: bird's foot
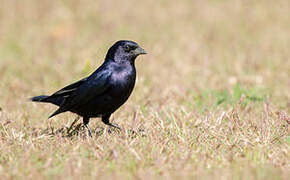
(72, 124)
(115, 126)
(89, 130)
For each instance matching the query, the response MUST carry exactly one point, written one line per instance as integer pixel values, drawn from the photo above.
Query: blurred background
(202, 56)
(194, 46)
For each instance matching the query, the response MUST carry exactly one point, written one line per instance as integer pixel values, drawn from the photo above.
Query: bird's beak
(139, 51)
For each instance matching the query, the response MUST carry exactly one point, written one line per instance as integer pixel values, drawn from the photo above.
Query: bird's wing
(95, 85)
(68, 90)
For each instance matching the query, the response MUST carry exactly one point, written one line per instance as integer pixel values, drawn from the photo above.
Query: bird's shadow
(72, 131)
(79, 130)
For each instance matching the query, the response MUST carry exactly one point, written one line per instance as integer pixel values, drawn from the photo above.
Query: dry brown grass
(211, 100)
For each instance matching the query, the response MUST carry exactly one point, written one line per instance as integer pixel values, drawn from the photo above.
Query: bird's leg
(106, 120)
(73, 123)
(86, 123)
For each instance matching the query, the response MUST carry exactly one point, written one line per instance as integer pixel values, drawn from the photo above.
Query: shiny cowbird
(104, 91)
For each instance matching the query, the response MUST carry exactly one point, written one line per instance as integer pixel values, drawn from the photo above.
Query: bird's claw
(114, 126)
(89, 130)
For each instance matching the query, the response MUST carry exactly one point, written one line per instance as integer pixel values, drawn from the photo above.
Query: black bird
(104, 91)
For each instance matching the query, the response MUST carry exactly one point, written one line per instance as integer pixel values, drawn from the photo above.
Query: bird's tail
(39, 98)
(48, 99)
(58, 111)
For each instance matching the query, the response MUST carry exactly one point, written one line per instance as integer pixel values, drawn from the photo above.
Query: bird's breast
(123, 82)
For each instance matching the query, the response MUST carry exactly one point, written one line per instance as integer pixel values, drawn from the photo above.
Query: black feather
(105, 90)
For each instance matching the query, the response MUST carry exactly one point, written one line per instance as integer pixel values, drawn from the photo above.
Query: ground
(211, 99)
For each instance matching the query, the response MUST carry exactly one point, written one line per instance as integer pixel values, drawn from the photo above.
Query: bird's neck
(123, 60)
(127, 63)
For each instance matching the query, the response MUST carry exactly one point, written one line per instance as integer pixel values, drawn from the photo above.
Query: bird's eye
(127, 48)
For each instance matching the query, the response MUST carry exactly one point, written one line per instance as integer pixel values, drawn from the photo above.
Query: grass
(211, 100)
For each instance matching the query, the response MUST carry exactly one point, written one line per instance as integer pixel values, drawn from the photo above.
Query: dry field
(211, 100)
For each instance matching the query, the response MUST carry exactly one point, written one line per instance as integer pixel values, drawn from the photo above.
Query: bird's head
(124, 50)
